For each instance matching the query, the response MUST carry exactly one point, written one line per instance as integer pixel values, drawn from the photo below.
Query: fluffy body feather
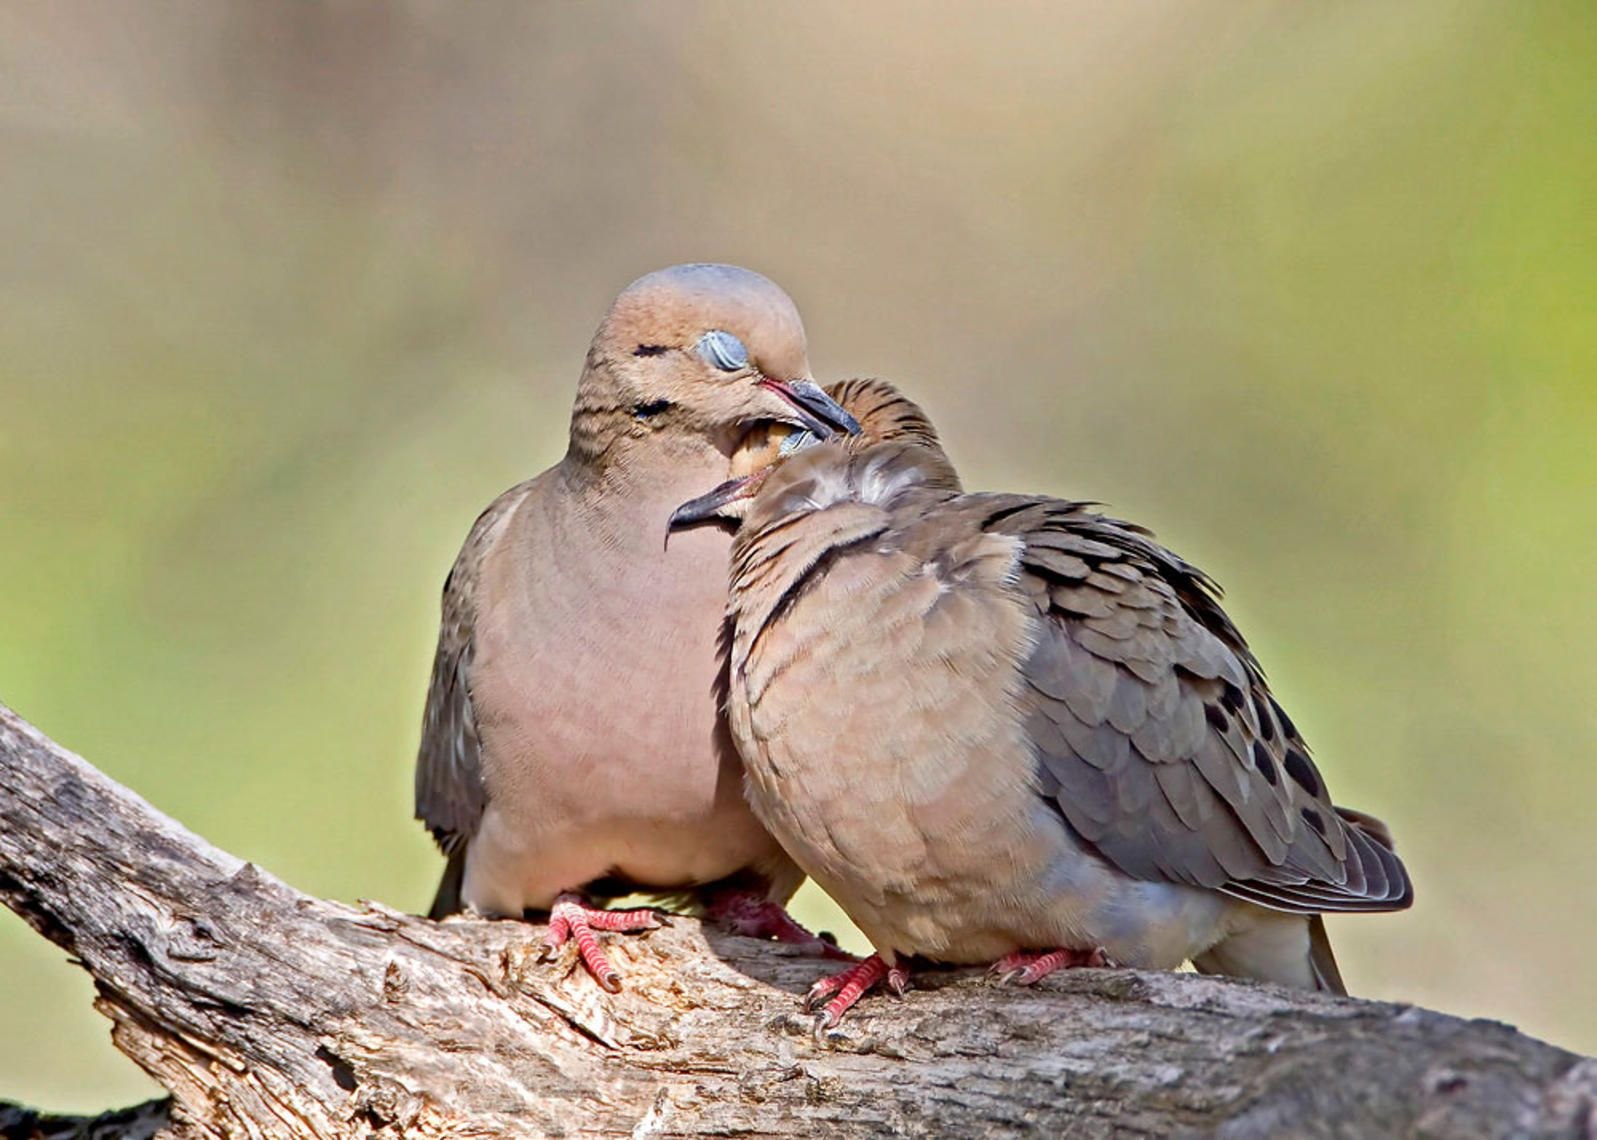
(572, 737)
(986, 723)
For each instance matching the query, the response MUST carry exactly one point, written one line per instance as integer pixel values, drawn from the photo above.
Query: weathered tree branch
(269, 1013)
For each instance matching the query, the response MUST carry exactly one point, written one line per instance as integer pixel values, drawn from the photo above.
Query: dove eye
(724, 351)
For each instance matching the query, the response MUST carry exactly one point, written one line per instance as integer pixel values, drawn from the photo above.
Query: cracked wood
(266, 1012)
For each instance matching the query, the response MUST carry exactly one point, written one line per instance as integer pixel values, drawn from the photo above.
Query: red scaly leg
(571, 918)
(751, 914)
(837, 994)
(1028, 967)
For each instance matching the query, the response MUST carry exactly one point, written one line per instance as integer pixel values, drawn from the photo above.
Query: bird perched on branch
(572, 740)
(1006, 728)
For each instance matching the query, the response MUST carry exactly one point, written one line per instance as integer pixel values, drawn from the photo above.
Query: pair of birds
(995, 728)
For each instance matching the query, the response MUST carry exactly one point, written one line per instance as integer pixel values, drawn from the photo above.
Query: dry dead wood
(269, 1013)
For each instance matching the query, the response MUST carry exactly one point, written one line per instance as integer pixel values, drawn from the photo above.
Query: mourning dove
(572, 739)
(1005, 728)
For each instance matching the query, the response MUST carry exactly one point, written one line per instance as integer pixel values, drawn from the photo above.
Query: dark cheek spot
(651, 349)
(652, 408)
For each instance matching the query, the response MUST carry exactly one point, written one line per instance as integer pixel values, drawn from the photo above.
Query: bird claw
(897, 982)
(836, 995)
(755, 916)
(573, 920)
(822, 991)
(1028, 967)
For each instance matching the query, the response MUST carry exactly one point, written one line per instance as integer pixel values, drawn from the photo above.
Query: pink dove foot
(1027, 967)
(837, 994)
(572, 919)
(752, 915)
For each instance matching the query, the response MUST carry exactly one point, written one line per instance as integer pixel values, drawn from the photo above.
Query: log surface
(266, 1012)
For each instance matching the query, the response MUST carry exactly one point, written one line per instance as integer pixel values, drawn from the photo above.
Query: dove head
(780, 468)
(698, 355)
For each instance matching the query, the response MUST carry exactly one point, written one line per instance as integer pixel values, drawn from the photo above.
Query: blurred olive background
(288, 292)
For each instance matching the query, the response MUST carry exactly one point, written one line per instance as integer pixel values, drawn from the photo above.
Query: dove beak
(708, 506)
(816, 410)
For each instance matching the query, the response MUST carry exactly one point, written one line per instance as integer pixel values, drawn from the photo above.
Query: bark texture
(269, 1013)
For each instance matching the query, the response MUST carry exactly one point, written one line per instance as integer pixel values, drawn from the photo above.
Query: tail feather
(447, 900)
(1375, 828)
(1326, 975)
(1289, 950)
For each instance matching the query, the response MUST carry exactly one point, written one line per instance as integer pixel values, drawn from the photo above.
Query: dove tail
(447, 899)
(1326, 975)
(1287, 949)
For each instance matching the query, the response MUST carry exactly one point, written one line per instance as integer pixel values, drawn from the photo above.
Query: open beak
(816, 410)
(707, 506)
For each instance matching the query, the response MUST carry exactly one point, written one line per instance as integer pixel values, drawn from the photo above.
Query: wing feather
(1155, 732)
(450, 796)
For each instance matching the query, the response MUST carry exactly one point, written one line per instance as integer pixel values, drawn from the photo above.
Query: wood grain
(269, 1013)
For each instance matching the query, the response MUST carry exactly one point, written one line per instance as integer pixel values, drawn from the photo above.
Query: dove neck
(611, 432)
(622, 459)
(614, 457)
(625, 500)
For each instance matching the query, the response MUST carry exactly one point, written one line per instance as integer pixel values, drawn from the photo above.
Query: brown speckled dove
(1007, 728)
(572, 740)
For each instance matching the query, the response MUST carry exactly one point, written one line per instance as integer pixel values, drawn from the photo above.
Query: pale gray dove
(572, 739)
(1007, 728)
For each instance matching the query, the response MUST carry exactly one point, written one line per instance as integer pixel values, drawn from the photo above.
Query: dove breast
(879, 642)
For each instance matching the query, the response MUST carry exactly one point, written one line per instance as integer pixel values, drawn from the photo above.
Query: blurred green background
(289, 291)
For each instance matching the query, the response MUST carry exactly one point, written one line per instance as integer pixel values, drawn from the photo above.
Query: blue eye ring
(724, 351)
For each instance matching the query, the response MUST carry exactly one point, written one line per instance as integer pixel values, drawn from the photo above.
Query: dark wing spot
(1232, 699)
(1287, 727)
(1003, 513)
(1314, 819)
(1216, 717)
(1266, 721)
(1263, 762)
(651, 349)
(1299, 768)
(652, 408)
